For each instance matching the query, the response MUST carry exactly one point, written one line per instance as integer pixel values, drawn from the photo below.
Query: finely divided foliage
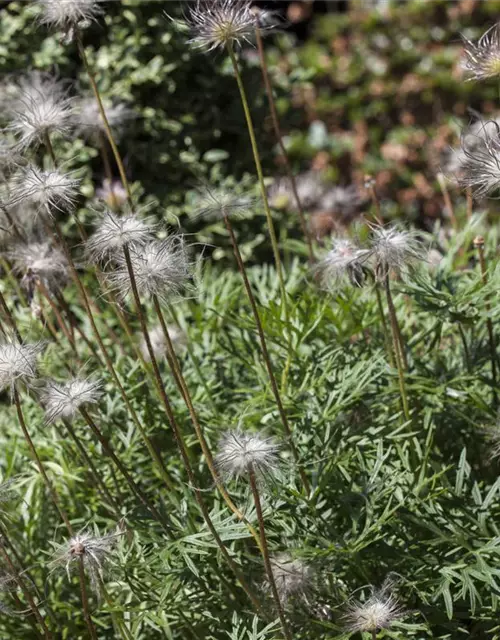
(362, 374)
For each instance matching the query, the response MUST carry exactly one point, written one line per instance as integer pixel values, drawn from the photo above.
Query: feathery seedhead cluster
(18, 364)
(482, 60)
(378, 612)
(41, 108)
(393, 249)
(88, 118)
(94, 550)
(343, 201)
(480, 160)
(241, 452)
(221, 23)
(114, 232)
(40, 260)
(69, 14)
(159, 343)
(221, 203)
(343, 262)
(112, 193)
(310, 189)
(62, 400)
(161, 269)
(293, 577)
(45, 190)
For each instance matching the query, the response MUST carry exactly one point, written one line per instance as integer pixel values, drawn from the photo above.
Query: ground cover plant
(247, 392)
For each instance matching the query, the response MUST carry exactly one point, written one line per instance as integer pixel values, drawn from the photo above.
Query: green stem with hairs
(397, 347)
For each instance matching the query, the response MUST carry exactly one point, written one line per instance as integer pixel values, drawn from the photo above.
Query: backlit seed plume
(158, 341)
(40, 260)
(293, 577)
(219, 203)
(63, 400)
(88, 120)
(113, 232)
(219, 23)
(47, 191)
(241, 452)
(482, 59)
(68, 14)
(161, 268)
(480, 161)
(378, 612)
(473, 138)
(18, 364)
(94, 550)
(343, 263)
(393, 249)
(310, 189)
(42, 108)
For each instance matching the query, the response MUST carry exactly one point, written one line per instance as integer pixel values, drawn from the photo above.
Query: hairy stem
(102, 113)
(177, 434)
(397, 347)
(181, 381)
(383, 324)
(279, 137)
(265, 353)
(258, 166)
(265, 554)
(85, 599)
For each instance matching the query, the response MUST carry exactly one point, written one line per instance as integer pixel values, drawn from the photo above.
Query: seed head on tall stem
(46, 190)
(63, 400)
(482, 59)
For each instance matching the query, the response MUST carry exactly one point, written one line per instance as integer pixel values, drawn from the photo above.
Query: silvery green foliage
(63, 400)
(482, 59)
(241, 453)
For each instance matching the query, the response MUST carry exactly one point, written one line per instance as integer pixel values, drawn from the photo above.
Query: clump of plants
(298, 448)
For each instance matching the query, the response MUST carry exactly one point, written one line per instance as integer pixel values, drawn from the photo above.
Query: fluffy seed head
(41, 108)
(67, 14)
(114, 232)
(482, 60)
(113, 194)
(94, 550)
(310, 189)
(18, 364)
(219, 203)
(161, 269)
(88, 119)
(342, 201)
(378, 612)
(241, 452)
(45, 190)
(177, 336)
(344, 262)
(480, 160)
(393, 249)
(293, 577)
(62, 400)
(40, 260)
(218, 23)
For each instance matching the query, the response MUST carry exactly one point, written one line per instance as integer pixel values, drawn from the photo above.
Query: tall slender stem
(85, 599)
(279, 137)
(50, 148)
(479, 244)
(383, 323)
(124, 471)
(22, 585)
(177, 434)
(467, 359)
(10, 318)
(447, 200)
(109, 364)
(258, 166)
(265, 352)
(397, 347)
(181, 381)
(265, 553)
(105, 121)
(62, 325)
(52, 491)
